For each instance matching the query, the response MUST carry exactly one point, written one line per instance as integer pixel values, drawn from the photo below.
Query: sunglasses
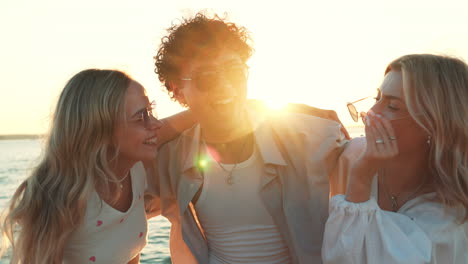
(355, 114)
(146, 114)
(352, 109)
(209, 79)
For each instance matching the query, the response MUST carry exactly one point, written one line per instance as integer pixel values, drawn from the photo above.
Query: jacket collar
(264, 139)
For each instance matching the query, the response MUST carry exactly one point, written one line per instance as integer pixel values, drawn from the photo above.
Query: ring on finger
(392, 137)
(379, 141)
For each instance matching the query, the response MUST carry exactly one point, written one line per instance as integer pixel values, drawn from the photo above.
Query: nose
(154, 123)
(224, 83)
(376, 108)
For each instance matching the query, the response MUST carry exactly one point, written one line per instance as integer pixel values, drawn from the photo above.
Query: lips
(151, 141)
(223, 104)
(224, 101)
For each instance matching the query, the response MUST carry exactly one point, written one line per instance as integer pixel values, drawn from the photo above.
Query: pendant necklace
(230, 179)
(394, 198)
(119, 183)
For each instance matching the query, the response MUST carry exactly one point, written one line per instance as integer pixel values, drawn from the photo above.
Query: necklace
(119, 182)
(394, 198)
(229, 179)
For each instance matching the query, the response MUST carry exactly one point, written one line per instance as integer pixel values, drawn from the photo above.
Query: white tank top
(237, 225)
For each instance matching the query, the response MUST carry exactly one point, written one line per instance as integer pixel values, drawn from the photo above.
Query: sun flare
(275, 104)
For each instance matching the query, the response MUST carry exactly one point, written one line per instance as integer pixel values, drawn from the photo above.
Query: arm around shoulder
(152, 199)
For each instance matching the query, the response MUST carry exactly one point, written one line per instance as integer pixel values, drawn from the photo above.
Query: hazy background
(322, 53)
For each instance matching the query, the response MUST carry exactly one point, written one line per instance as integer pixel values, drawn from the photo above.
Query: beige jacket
(298, 152)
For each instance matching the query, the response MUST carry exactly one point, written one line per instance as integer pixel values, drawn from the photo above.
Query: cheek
(119, 136)
(410, 136)
(128, 138)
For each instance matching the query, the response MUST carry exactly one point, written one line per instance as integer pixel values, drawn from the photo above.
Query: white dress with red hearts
(108, 235)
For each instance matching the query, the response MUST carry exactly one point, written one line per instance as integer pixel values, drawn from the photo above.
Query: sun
(275, 104)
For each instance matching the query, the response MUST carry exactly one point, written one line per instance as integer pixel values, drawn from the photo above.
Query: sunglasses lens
(149, 113)
(353, 112)
(146, 118)
(237, 74)
(208, 80)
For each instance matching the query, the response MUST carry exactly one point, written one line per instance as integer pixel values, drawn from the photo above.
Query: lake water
(17, 157)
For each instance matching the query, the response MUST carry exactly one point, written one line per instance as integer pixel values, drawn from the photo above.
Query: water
(17, 157)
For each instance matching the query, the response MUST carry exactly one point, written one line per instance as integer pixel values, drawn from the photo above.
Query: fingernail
(379, 116)
(368, 122)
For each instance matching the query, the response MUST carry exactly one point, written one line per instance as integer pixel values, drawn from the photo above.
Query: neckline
(132, 175)
(375, 194)
(228, 166)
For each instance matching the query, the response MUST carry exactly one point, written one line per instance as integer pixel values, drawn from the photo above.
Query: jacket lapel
(190, 179)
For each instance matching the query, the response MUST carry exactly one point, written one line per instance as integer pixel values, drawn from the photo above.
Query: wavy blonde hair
(436, 93)
(50, 204)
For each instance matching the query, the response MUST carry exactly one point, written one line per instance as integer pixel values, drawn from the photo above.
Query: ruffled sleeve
(363, 233)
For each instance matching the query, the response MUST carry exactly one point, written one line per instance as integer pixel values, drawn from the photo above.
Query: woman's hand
(381, 145)
(380, 138)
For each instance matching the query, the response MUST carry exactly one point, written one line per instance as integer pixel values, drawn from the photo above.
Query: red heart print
(99, 223)
(93, 259)
(141, 234)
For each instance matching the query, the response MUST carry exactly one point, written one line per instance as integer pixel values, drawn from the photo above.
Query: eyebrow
(388, 96)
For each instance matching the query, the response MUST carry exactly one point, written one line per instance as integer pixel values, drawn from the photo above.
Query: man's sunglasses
(209, 79)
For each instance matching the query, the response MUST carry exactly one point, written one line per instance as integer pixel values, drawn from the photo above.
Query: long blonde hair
(50, 204)
(436, 93)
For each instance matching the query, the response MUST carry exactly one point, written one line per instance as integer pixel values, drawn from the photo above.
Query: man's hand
(322, 113)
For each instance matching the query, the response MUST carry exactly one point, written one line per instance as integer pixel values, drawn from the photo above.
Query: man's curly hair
(198, 37)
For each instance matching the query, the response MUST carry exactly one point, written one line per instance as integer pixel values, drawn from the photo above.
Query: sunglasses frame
(352, 108)
(149, 112)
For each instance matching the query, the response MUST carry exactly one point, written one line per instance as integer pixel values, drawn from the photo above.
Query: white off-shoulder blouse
(421, 231)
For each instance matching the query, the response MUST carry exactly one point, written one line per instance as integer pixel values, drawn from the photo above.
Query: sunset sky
(322, 53)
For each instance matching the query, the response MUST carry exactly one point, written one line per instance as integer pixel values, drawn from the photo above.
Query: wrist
(360, 182)
(358, 192)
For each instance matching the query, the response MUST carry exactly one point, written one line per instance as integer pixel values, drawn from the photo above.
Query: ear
(177, 92)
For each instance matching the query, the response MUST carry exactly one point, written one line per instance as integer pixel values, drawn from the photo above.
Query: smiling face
(215, 91)
(390, 103)
(136, 135)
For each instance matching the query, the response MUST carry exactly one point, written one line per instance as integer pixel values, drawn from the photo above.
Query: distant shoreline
(357, 130)
(20, 136)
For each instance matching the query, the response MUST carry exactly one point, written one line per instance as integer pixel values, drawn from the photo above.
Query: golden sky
(322, 53)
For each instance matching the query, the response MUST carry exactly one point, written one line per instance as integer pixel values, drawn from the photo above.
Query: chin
(151, 155)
